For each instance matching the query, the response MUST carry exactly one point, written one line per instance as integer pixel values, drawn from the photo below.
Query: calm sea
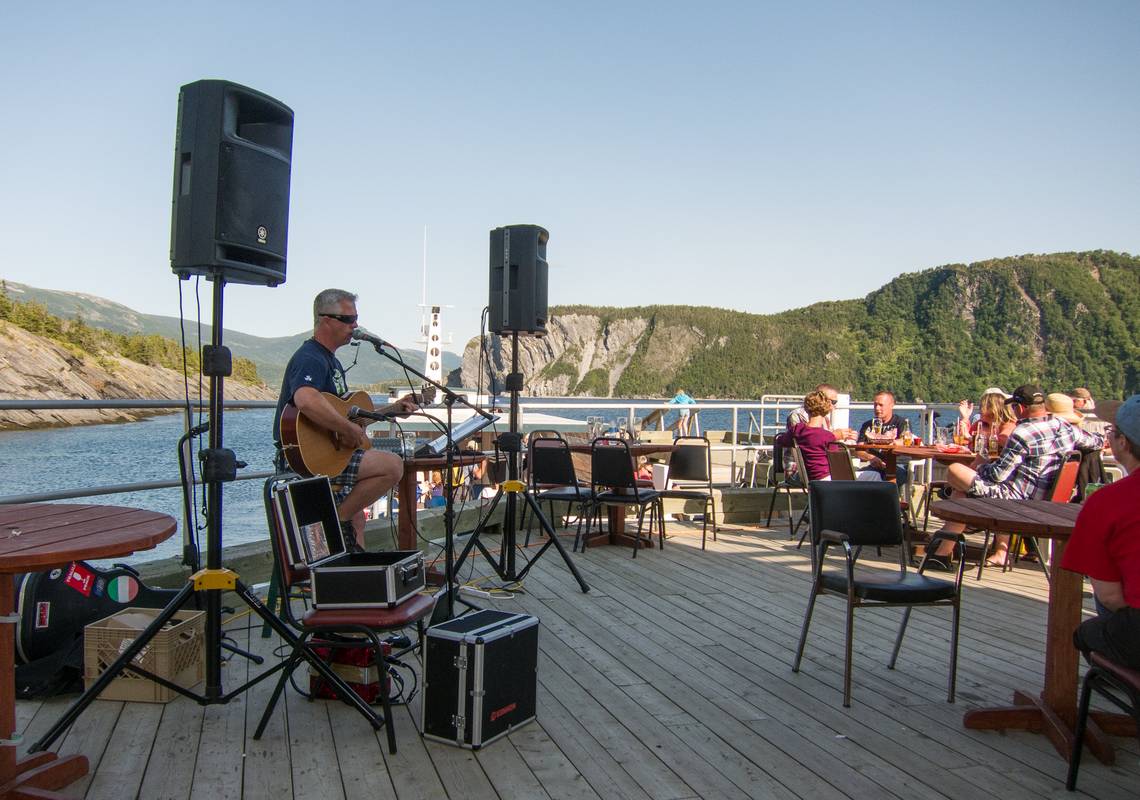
(102, 455)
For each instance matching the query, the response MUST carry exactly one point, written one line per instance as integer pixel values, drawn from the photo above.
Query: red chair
(366, 622)
(1061, 492)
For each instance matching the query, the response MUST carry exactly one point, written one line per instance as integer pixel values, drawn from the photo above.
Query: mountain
(1062, 320)
(269, 354)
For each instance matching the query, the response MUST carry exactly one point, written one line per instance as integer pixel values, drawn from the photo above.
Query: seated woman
(996, 417)
(812, 437)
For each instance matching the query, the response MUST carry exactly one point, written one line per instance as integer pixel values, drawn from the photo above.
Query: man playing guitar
(314, 369)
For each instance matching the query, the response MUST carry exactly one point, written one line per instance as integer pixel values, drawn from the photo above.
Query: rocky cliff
(1062, 320)
(32, 367)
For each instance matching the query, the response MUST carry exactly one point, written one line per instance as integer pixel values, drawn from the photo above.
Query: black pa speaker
(231, 184)
(518, 280)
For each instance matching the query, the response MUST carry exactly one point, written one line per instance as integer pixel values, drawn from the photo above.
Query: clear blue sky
(756, 156)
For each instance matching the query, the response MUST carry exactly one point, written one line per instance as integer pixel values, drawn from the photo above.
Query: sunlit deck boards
(670, 679)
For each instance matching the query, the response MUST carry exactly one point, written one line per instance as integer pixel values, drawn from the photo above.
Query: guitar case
(53, 608)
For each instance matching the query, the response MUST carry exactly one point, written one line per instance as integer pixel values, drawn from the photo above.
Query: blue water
(101, 455)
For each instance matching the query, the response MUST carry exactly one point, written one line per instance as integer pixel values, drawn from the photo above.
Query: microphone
(356, 412)
(362, 335)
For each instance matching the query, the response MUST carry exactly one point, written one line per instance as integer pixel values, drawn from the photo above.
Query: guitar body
(311, 450)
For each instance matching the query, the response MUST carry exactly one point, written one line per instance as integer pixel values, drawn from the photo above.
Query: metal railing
(737, 446)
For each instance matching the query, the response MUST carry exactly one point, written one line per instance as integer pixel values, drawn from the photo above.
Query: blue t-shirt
(312, 365)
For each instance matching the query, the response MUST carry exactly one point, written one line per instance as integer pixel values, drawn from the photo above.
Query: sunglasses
(347, 319)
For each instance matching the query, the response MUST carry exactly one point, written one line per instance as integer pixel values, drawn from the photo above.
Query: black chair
(614, 483)
(856, 514)
(783, 484)
(1117, 684)
(553, 480)
(691, 463)
(353, 626)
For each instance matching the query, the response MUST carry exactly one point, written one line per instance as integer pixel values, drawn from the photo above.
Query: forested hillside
(1064, 319)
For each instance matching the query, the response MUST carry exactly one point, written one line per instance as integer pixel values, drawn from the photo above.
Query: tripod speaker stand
(219, 466)
(511, 444)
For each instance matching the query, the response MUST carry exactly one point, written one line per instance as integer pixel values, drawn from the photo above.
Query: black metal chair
(364, 624)
(797, 483)
(691, 463)
(1117, 684)
(552, 478)
(614, 483)
(856, 514)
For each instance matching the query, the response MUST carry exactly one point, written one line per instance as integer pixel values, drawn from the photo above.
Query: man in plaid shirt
(1027, 466)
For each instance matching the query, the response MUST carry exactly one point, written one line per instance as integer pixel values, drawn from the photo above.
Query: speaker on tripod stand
(230, 224)
(517, 306)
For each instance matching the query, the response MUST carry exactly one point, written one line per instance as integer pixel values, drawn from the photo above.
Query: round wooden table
(35, 537)
(1054, 711)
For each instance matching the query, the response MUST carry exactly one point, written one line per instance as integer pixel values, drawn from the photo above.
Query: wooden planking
(671, 678)
(124, 764)
(266, 771)
(219, 766)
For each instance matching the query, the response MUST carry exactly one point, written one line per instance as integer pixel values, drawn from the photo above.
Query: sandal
(996, 561)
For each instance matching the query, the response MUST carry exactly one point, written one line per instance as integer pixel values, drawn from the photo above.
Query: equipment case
(340, 579)
(480, 677)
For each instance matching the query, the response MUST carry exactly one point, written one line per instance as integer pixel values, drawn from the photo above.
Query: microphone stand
(450, 398)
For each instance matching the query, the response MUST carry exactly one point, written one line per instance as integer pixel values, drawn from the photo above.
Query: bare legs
(378, 473)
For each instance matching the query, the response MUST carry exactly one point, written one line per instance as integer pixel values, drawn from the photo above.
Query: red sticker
(80, 579)
(43, 613)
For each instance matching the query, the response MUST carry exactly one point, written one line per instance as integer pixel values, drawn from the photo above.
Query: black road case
(340, 579)
(480, 677)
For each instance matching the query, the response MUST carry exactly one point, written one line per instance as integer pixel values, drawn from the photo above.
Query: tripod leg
(552, 540)
(112, 672)
(474, 540)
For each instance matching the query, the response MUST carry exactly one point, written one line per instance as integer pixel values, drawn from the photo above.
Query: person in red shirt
(1105, 545)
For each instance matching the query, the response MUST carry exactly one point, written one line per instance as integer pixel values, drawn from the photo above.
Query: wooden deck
(670, 679)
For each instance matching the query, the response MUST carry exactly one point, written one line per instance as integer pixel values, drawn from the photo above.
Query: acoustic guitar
(312, 450)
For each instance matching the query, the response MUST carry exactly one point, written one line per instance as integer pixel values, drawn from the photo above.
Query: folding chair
(293, 570)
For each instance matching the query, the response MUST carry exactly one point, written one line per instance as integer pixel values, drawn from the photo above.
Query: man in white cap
(1105, 545)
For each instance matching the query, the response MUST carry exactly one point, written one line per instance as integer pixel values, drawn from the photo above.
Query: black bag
(54, 607)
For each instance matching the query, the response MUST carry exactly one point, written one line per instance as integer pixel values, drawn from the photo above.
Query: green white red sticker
(123, 589)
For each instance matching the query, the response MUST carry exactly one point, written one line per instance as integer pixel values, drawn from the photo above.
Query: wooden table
(1054, 711)
(615, 533)
(36, 537)
(406, 531)
(891, 453)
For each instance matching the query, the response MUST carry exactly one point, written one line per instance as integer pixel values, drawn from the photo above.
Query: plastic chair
(1117, 684)
(691, 463)
(366, 622)
(1064, 484)
(852, 515)
(613, 482)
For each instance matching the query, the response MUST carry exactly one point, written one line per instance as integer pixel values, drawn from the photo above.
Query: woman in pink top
(812, 437)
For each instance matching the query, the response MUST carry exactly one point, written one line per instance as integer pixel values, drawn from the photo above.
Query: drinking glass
(940, 436)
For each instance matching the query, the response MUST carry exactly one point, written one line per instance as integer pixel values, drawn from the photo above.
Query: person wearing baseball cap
(1026, 469)
(1105, 545)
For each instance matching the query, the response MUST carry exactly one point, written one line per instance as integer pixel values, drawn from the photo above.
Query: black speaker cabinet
(518, 280)
(231, 184)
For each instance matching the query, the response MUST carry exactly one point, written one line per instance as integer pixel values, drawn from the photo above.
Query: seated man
(1025, 470)
(1105, 545)
(801, 414)
(889, 423)
(314, 369)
